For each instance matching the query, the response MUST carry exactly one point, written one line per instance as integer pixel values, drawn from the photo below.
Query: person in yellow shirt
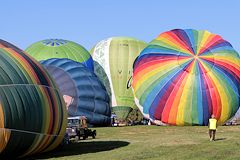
(212, 124)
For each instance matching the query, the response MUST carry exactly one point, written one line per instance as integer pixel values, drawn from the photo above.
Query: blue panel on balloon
(82, 91)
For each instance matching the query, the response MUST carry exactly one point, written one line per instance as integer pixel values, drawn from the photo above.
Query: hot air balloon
(59, 48)
(82, 90)
(184, 76)
(116, 56)
(33, 115)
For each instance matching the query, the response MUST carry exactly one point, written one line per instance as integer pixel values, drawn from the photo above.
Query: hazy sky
(86, 22)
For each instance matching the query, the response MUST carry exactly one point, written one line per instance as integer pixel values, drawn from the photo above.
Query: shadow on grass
(81, 148)
(220, 139)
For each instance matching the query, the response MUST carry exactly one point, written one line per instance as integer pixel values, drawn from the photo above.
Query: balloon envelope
(116, 56)
(82, 90)
(59, 48)
(32, 111)
(184, 76)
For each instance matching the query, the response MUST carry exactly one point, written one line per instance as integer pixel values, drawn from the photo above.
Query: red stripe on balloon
(234, 69)
(185, 39)
(207, 84)
(144, 69)
(211, 39)
(151, 59)
(174, 38)
(160, 60)
(212, 94)
(163, 100)
(170, 112)
(212, 44)
(172, 92)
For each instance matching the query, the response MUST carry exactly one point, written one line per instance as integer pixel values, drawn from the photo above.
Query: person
(212, 124)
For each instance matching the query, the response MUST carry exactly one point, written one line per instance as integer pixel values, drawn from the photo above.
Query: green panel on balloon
(59, 48)
(122, 112)
(116, 56)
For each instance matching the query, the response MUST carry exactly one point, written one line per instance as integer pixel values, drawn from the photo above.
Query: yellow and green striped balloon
(116, 56)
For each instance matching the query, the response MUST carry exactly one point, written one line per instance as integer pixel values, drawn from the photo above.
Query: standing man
(212, 124)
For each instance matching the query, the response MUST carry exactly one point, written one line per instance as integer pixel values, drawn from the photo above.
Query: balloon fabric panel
(90, 98)
(59, 48)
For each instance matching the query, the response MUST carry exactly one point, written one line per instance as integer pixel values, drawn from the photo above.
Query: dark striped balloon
(32, 111)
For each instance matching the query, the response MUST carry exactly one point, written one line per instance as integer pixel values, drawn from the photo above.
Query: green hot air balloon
(116, 56)
(59, 48)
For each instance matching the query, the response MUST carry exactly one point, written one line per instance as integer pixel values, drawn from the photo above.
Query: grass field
(153, 143)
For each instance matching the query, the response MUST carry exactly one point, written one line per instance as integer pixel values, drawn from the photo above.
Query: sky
(86, 22)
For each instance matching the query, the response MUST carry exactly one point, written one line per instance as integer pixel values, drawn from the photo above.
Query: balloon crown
(54, 42)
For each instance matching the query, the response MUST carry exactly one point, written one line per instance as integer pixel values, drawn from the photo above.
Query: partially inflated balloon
(32, 111)
(98, 70)
(83, 91)
(59, 48)
(184, 76)
(116, 56)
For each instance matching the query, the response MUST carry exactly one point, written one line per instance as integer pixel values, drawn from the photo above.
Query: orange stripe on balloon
(175, 39)
(23, 62)
(173, 104)
(170, 111)
(145, 69)
(211, 42)
(214, 94)
(4, 134)
(211, 38)
(228, 64)
(147, 62)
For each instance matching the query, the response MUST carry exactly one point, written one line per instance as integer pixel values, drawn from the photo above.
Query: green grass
(153, 143)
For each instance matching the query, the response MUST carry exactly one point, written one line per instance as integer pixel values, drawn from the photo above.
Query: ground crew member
(212, 124)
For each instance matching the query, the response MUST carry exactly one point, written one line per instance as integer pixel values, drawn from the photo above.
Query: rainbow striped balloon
(33, 114)
(184, 76)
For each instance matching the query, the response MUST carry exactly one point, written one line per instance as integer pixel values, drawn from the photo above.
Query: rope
(30, 132)
(10, 85)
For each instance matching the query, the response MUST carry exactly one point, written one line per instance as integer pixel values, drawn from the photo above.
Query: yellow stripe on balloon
(224, 98)
(204, 39)
(225, 60)
(47, 110)
(149, 77)
(174, 109)
(4, 134)
(229, 60)
(55, 144)
(186, 95)
(171, 44)
(223, 95)
(158, 71)
(189, 101)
